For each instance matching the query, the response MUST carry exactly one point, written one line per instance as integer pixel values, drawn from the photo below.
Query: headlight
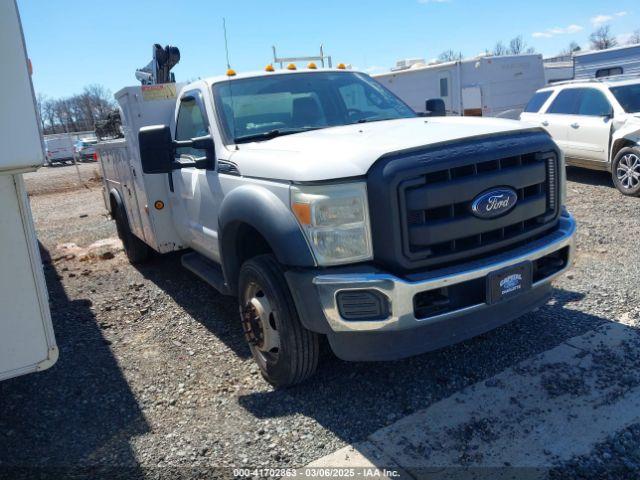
(335, 219)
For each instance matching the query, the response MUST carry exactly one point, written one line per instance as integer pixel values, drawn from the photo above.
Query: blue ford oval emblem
(494, 203)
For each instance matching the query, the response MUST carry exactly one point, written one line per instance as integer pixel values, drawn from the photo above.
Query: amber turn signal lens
(159, 204)
(302, 211)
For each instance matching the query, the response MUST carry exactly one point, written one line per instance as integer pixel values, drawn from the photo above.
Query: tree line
(600, 39)
(76, 113)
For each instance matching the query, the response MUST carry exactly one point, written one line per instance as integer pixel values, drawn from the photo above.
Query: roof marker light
(292, 66)
(269, 68)
(342, 66)
(312, 66)
(231, 72)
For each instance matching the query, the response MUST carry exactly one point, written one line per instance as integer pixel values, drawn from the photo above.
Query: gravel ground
(60, 178)
(154, 370)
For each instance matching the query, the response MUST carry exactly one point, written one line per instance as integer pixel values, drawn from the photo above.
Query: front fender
(627, 134)
(261, 209)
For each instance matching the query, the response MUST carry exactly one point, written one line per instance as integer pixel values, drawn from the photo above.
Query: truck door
(197, 191)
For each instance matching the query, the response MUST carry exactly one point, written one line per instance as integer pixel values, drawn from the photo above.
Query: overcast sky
(73, 43)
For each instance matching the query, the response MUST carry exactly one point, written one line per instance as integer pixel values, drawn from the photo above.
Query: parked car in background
(596, 123)
(85, 149)
(59, 149)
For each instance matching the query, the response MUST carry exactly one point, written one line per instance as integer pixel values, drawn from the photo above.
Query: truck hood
(350, 150)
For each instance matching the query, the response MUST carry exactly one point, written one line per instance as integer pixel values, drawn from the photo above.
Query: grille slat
(441, 193)
(440, 225)
(451, 229)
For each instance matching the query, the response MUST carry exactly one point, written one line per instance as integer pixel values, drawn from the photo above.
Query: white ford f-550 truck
(329, 208)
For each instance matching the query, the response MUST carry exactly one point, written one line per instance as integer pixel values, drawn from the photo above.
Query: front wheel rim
(628, 171)
(259, 323)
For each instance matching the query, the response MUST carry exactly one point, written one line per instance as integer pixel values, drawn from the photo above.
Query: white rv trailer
(483, 86)
(558, 70)
(606, 63)
(27, 342)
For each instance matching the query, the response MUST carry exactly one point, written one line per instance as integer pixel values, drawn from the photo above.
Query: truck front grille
(439, 222)
(430, 200)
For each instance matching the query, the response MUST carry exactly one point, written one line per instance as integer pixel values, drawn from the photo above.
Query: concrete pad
(532, 416)
(364, 457)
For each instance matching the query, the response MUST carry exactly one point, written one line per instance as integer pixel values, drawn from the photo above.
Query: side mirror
(156, 149)
(205, 143)
(435, 107)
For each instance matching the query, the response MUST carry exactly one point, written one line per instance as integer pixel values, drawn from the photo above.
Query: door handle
(575, 125)
(545, 124)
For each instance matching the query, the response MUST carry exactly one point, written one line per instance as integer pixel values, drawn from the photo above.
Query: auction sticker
(163, 91)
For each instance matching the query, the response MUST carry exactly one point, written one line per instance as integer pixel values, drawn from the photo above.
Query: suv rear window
(537, 101)
(567, 102)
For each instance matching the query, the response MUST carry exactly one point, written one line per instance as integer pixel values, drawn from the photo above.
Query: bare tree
(571, 48)
(76, 113)
(517, 46)
(602, 39)
(450, 56)
(49, 116)
(634, 39)
(499, 49)
(41, 100)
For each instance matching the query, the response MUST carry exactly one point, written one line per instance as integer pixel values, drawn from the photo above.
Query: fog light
(362, 305)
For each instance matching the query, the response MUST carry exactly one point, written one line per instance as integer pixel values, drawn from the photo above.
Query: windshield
(628, 97)
(261, 108)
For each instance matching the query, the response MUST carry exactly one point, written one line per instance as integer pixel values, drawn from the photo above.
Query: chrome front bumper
(401, 292)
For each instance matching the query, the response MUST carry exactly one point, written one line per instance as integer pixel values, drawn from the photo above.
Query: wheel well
(250, 243)
(619, 145)
(113, 203)
(247, 243)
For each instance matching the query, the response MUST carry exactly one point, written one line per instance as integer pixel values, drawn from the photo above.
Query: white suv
(596, 123)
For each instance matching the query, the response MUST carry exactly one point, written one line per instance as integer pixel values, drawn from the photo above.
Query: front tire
(136, 250)
(625, 171)
(285, 351)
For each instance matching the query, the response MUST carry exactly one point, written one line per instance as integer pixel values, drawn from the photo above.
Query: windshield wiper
(268, 135)
(374, 119)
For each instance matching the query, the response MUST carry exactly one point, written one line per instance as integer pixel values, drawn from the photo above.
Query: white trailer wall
(27, 343)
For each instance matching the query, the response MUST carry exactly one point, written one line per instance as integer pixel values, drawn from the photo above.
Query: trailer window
(536, 102)
(608, 72)
(191, 123)
(444, 87)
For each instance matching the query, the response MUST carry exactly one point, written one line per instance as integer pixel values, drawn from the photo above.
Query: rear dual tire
(136, 250)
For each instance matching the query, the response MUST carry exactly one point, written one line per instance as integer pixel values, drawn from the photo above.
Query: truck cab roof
(263, 73)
